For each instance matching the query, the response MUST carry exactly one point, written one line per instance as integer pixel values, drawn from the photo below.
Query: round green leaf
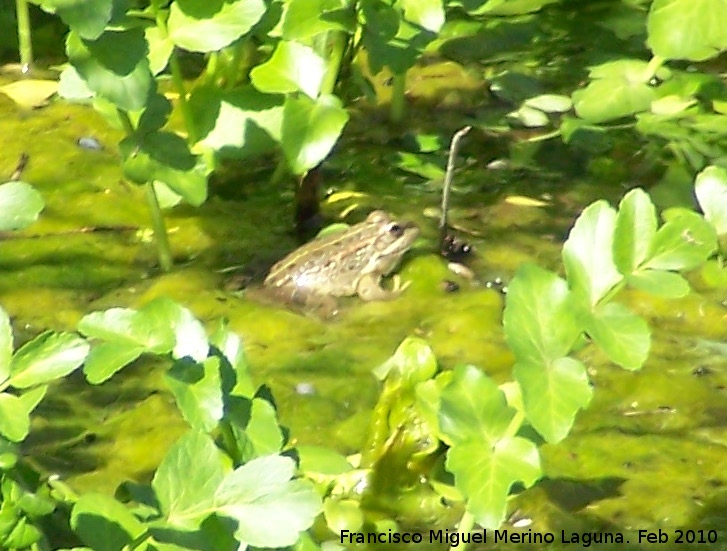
(683, 243)
(47, 357)
(588, 253)
(672, 25)
(104, 524)
(311, 129)
(622, 335)
(204, 26)
(539, 319)
(550, 103)
(86, 17)
(553, 394)
(635, 230)
(664, 284)
(20, 205)
(617, 89)
(711, 190)
(291, 68)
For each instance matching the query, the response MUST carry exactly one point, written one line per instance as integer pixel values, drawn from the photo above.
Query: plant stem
(25, 45)
(178, 81)
(160, 230)
(337, 42)
(448, 177)
(398, 99)
(465, 525)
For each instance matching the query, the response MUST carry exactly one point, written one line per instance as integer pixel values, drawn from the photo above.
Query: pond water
(649, 453)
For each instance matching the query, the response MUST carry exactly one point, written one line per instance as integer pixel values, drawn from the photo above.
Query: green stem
(160, 230)
(178, 81)
(465, 525)
(24, 43)
(398, 99)
(337, 42)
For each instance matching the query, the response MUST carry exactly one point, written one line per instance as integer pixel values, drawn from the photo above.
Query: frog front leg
(369, 288)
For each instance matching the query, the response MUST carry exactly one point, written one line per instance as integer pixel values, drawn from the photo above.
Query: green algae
(655, 436)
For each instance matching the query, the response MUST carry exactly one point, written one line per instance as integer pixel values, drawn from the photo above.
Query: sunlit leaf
(550, 103)
(244, 119)
(15, 412)
(634, 231)
(671, 27)
(617, 89)
(485, 475)
(588, 253)
(103, 523)
(553, 394)
(473, 408)
(657, 282)
(682, 243)
(203, 26)
(428, 14)
(187, 478)
(271, 509)
(106, 358)
(30, 93)
(306, 18)
(343, 514)
(114, 66)
(622, 335)
(86, 17)
(539, 320)
(710, 188)
(292, 67)
(412, 363)
(47, 357)
(20, 205)
(197, 389)
(310, 130)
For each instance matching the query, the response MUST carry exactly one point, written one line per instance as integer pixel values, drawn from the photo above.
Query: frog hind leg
(369, 288)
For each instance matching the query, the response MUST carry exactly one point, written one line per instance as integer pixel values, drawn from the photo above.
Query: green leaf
(86, 17)
(617, 89)
(15, 412)
(245, 119)
(271, 509)
(47, 357)
(656, 282)
(473, 408)
(622, 335)
(187, 479)
(104, 524)
(114, 66)
(412, 363)
(683, 243)
(550, 103)
(507, 7)
(203, 26)
(6, 345)
(343, 514)
(23, 535)
(72, 87)
(529, 117)
(106, 358)
(635, 230)
(131, 327)
(322, 461)
(714, 274)
(671, 27)
(292, 67)
(160, 49)
(230, 346)
(428, 14)
(20, 205)
(304, 19)
(711, 190)
(197, 389)
(311, 129)
(553, 394)
(588, 253)
(485, 474)
(540, 319)
(399, 53)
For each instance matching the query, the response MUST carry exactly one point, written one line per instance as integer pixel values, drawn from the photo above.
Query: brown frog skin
(347, 263)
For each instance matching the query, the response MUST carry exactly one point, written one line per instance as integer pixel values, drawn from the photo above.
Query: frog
(348, 263)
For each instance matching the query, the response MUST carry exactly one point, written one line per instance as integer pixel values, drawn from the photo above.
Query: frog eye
(396, 230)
